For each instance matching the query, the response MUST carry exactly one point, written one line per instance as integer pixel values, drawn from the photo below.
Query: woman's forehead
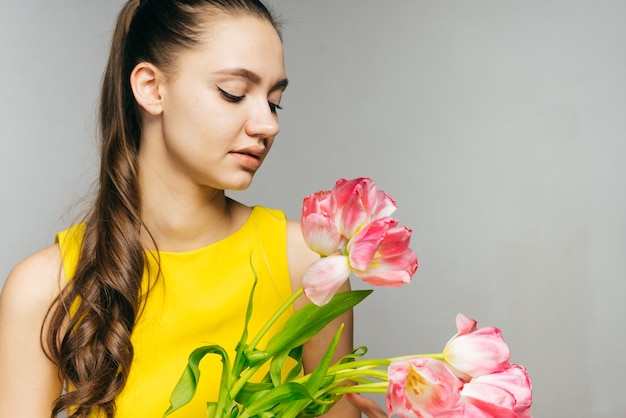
(237, 42)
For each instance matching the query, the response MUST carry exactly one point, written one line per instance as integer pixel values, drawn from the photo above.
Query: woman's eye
(230, 97)
(274, 107)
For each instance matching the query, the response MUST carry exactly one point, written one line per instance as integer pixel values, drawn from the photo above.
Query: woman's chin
(240, 184)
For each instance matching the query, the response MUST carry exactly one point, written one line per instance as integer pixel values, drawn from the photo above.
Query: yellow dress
(200, 299)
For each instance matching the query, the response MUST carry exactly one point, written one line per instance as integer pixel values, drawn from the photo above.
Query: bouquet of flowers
(352, 229)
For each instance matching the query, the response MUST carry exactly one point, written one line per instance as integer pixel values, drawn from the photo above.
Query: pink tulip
(505, 393)
(351, 229)
(380, 255)
(469, 410)
(319, 226)
(324, 277)
(491, 400)
(476, 352)
(422, 387)
(359, 202)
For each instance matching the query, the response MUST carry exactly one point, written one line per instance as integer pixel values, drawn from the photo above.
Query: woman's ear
(144, 81)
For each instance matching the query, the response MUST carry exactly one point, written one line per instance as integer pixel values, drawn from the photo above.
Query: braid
(91, 344)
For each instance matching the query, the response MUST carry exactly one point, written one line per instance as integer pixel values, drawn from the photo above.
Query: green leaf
(187, 384)
(318, 375)
(354, 354)
(264, 401)
(296, 354)
(250, 388)
(274, 376)
(255, 357)
(211, 407)
(234, 412)
(240, 359)
(276, 367)
(317, 378)
(322, 406)
(311, 319)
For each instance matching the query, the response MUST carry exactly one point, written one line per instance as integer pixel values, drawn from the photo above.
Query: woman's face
(219, 115)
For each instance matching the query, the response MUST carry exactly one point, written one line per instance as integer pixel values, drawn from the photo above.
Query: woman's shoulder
(34, 282)
(29, 381)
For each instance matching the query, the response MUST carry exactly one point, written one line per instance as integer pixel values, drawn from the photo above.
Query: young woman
(102, 322)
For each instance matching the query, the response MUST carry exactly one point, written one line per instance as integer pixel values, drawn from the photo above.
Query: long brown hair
(90, 324)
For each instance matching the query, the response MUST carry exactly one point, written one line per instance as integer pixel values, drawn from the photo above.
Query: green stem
(351, 374)
(438, 356)
(241, 381)
(275, 317)
(377, 387)
(372, 363)
(359, 364)
(359, 371)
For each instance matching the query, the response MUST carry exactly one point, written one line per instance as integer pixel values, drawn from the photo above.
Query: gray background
(498, 126)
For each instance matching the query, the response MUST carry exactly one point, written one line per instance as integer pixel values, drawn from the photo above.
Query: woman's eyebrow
(253, 77)
(281, 85)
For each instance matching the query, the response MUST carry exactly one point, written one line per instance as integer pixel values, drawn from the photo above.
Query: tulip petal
(422, 387)
(378, 203)
(321, 201)
(384, 206)
(469, 410)
(321, 234)
(359, 202)
(396, 242)
(380, 255)
(344, 190)
(477, 353)
(514, 380)
(465, 325)
(365, 244)
(384, 276)
(353, 216)
(324, 277)
(492, 399)
(393, 272)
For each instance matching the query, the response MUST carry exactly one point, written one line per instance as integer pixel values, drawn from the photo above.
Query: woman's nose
(263, 122)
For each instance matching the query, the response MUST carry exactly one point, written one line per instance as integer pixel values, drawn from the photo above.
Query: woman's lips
(247, 159)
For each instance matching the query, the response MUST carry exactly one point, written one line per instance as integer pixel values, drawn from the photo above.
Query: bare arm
(300, 258)
(29, 382)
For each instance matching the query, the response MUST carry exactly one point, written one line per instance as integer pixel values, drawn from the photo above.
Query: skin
(197, 141)
(29, 382)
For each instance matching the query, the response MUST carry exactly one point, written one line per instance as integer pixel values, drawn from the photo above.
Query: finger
(366, 405)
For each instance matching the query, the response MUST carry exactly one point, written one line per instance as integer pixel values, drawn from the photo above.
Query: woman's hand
(366, 405)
